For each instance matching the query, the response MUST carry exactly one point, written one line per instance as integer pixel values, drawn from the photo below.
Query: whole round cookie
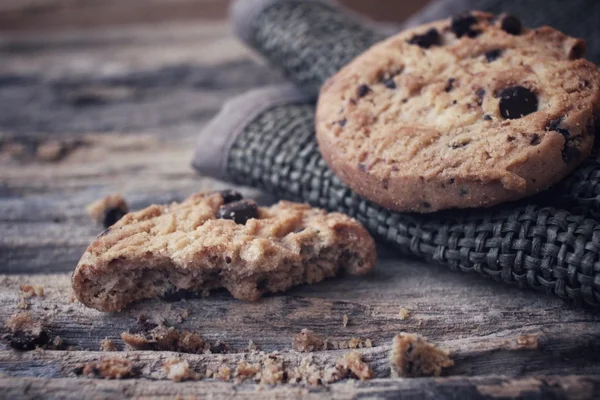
(464, 112)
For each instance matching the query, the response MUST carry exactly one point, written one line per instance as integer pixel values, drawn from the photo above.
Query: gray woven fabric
(526, 244)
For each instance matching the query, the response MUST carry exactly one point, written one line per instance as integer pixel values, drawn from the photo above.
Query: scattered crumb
(307, 341)
(353, 362)
(530, 342)
(209, 373)
(31, 290)
(107, 345)
(150, 336)
(178, 370)
(26, 333)
(23, 304)
(110, 368)
(272, 372)
(251, 347)
(404, 313)
(224, 373)
(345, 320)
(413, 356)
(246, 370)
(354, 343)
(368, 343)
(306, 372)
(57, 343)
(108, 210)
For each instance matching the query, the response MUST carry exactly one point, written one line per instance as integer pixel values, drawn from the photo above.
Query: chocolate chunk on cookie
(427, 39)
(238, 211)
(206, 242)
(517, 101)
(472, 104)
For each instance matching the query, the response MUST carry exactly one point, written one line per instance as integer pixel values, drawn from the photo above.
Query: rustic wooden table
(84, 114)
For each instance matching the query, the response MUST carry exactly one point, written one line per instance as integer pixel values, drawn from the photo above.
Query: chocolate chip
(426, 205)
(554, 125)
(230, 195)
(510, 138)
(487, 117)
(24, 340)
(453, 101)
(461, 25)
(451, 180)
(363, 90)
(342, 122)
(493, 55)
(449, 84)
(113, 215)
(227, 260)
(480, 93)
(389, 83)
(517, 101)
(511, 24)
(426, 40)
(239, 211)
(570, 153)
(462, 191)
(535, 139)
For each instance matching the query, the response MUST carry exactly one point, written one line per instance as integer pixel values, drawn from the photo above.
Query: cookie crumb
(31, 290)
(307, 341)
(164, 339)
(23, 304)
(368, 343)
(272, 372)
(107, 345)
(530, 342)
(224, 373)
(110, 368)
(413, 356)
(354, 343)
(26, 333)
(108, 210)
(57, 343)
(246, 370)
(404, 314)
(345, 320)
(353, 362)
(251, 347)
(209, 373)
(178, 370)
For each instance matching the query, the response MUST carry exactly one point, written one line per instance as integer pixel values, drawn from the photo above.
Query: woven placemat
(527, 243)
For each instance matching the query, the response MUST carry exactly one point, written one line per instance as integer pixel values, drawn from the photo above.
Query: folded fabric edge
(216, 138)
(242, 13)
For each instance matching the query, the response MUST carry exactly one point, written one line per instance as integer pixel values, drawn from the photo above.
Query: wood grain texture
(486, 388)
(124, 107)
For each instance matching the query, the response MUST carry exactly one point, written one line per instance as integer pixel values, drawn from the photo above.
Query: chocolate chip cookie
(470, 111)
(214, 240)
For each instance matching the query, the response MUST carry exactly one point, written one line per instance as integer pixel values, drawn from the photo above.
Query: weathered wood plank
(470, 317)
(488, 388)
(125, 106)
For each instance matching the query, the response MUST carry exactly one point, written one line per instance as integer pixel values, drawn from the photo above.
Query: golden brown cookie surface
(218, 240)
(463, 112)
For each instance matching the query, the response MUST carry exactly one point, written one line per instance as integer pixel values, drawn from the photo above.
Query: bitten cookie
(464, 112)
(218, 240)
